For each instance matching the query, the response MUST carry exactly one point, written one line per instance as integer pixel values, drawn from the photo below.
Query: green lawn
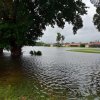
(85, 50)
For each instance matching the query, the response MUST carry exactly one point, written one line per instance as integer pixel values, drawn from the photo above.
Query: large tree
(23, 21)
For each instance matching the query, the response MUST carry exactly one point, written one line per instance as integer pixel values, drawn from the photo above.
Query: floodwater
(60, 74)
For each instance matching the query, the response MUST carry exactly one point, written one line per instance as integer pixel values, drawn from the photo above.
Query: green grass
(24, 91)
(29, 91)
(85, 50)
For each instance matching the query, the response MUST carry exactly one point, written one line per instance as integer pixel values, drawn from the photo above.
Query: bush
(35, 53)
(82, 45)
(39, 53)
(31, 52)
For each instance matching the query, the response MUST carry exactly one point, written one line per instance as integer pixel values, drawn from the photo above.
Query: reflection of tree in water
(10, 70)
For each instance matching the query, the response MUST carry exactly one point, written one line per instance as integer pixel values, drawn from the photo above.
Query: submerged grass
(85, 50)
(23, 91)
(29, 91)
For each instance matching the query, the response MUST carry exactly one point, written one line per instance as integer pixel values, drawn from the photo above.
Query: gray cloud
(86, 34)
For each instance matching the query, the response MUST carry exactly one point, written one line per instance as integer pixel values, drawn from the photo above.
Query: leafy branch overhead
(96, 18)
(23, 21)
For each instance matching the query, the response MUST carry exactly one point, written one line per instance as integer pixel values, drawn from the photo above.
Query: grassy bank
(85, 50)
(24, 91)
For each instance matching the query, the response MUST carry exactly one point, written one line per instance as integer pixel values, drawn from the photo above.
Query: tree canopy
(96, 18)
(23, 21)
(58, 38)
(62, 38)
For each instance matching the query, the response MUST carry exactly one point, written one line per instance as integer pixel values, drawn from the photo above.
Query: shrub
(39, 53)
(82, 45)
(35, 53)
(31, 52)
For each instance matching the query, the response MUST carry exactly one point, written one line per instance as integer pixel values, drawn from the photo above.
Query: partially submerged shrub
(38, 53)
(31, 52)
(35, 53)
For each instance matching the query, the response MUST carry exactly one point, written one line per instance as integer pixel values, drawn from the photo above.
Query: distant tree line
(42, 44)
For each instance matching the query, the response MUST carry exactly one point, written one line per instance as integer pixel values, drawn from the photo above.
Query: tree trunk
(1, 51)
(16, 51)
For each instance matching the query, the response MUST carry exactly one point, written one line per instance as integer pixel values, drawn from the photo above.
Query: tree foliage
(96, 18)
(58, 38)
(23, 21)
(82, 45)
(62, 38)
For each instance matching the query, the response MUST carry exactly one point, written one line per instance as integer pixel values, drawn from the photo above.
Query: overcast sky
(86, 34)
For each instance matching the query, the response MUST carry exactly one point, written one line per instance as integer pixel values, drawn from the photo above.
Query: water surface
(61, 74)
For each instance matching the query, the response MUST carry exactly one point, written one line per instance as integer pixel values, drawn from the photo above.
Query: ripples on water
(60, 72)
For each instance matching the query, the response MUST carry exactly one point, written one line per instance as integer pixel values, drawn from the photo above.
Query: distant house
(66, 44)
(74, 44)
(87, 45)
(93, 45)
(51, 45)
(71, 44)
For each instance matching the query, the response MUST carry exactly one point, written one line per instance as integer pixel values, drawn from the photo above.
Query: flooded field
(56, 75)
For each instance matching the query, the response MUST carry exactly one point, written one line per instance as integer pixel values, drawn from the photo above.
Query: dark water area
(57, 74)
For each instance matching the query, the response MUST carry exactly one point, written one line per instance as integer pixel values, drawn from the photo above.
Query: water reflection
(10, 70)
(59, 73)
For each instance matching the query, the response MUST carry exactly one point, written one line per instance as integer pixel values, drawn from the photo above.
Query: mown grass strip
(85, 50)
